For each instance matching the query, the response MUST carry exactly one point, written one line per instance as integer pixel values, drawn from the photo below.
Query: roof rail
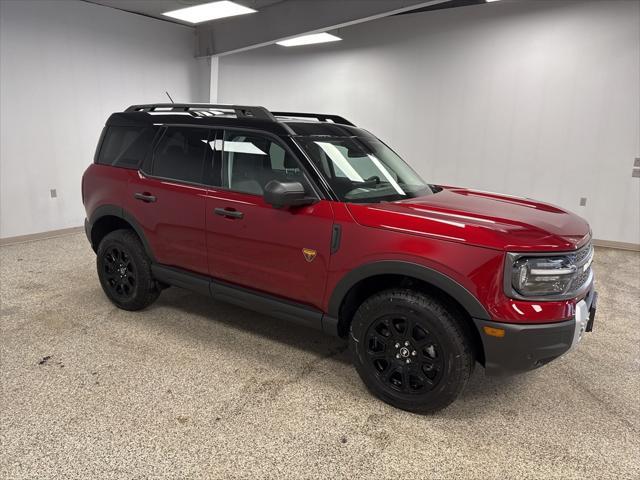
(319, 116)
(241, 111)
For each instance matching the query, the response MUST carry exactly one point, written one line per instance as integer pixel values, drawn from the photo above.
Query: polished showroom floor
(191, 388)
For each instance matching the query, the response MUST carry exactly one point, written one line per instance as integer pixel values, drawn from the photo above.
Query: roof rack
(241, 111)
(319, 116)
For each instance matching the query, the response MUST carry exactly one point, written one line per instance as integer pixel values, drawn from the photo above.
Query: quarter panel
(103, 185)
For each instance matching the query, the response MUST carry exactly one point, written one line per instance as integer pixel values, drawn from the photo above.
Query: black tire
(428, 372)
(124, 270)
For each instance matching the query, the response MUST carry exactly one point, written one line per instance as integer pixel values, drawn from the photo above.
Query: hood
(479, 218)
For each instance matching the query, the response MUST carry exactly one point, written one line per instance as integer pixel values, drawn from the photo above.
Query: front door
(168, 200)
(284, 252)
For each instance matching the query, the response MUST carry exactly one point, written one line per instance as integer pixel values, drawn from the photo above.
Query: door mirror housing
(286, 194)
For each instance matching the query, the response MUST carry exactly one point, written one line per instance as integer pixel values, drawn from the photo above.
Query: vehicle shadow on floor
(261, 329)
(255, 324)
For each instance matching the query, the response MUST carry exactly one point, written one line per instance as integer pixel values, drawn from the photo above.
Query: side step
(243, 297)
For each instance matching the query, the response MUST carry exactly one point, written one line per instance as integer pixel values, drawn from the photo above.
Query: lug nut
(408, 360)
(406, 344)
(397, 345)
(414, 353)
(397, 355)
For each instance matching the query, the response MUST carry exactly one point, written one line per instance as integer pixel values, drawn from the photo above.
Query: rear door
(167, 197)
(284, 252)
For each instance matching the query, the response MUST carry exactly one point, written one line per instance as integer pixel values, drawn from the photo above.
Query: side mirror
(286, 194)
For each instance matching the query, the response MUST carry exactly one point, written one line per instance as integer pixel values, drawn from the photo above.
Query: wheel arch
(107, 218)
(371, 278)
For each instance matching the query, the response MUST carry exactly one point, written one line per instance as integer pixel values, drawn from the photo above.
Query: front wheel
(124, 270)
(410, 350)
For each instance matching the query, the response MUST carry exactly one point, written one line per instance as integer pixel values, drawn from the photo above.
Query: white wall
(64, 67)
(539, 99)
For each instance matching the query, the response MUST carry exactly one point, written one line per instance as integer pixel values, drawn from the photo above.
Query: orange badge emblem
(309, 254)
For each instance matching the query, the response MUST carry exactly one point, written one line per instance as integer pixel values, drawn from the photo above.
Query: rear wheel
(410, 350)
(124, 270)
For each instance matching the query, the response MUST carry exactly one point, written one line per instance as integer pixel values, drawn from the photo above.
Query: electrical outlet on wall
(583, 201)
(54, 193)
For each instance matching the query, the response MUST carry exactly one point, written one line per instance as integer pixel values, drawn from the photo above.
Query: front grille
(583, 257)
(583, 253)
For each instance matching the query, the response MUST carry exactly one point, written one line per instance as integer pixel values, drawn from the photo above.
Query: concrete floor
(191, 388)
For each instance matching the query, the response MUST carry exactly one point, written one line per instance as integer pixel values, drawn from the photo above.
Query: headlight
(533, 277)
(551, 277)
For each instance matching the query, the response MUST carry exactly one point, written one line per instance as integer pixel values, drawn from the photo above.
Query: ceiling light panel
(209, 11)
(309, 39)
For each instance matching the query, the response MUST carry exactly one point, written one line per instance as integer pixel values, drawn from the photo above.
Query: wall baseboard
(40, 236)
(634, 247)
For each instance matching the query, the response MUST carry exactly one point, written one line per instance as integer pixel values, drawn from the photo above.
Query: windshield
(363, 169)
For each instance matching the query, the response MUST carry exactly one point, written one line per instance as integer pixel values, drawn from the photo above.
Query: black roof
(238, 116)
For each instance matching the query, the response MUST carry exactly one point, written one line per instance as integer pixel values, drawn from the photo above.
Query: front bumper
(515, 348)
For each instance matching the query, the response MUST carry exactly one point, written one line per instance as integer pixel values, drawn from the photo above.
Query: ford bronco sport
(306, 217)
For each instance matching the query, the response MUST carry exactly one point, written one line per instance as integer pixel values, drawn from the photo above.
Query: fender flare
(116, 211)
(394, 267)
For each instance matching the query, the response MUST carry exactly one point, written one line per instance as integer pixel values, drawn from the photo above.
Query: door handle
(145, 197)
(225, 212)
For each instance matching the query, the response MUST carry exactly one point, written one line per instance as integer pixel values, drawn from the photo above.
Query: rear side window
(180, 154)
(125, 146)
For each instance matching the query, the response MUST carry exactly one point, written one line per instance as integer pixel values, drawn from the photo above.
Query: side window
(180, 154)
(250, 161)
(125, 146)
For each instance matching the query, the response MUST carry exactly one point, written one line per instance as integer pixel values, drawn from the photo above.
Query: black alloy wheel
(405, 355)
(412, 350)
(120, 271)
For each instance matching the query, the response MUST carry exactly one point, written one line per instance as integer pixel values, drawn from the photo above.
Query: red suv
(307, 217)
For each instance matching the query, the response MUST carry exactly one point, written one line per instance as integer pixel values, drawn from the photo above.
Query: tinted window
(250, 161)
(180, 154)
(125, 146)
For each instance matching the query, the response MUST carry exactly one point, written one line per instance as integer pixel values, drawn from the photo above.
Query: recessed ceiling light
(309, 39)
(209, 11)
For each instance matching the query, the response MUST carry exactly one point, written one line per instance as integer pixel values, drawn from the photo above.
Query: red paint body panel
(263, 250)
(174, 224)
(479, 218)
(102, 185)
